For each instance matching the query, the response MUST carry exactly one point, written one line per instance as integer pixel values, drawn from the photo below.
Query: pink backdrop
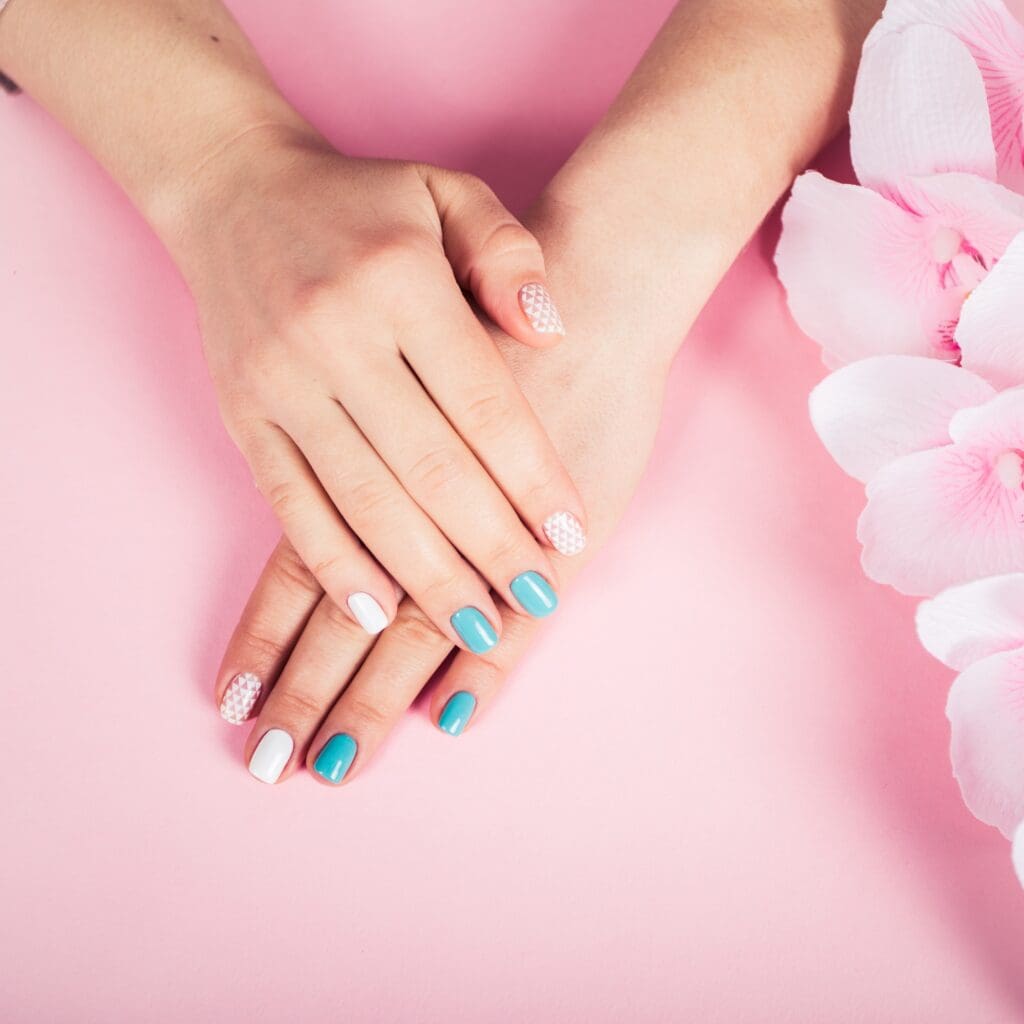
(751, 819)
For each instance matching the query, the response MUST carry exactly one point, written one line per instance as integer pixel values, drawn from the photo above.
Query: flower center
(945, 244)
(1009, 467)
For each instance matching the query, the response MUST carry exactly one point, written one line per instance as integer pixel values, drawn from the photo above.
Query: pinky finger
(471, 684)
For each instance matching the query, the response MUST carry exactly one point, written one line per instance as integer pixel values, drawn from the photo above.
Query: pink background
(741, 811)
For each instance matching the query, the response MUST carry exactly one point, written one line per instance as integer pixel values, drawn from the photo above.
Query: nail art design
(240, 698)
(565, 532)
(540, 309)
(271, 755)
(368, 613)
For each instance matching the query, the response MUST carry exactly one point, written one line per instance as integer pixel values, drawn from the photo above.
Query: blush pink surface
(737, 808)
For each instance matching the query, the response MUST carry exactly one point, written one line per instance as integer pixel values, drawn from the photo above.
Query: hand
(352, 373)
(323, 704)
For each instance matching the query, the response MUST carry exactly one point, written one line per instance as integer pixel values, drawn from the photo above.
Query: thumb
(495, 258)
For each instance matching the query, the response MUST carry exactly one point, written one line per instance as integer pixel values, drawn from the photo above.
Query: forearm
(728, 105)
(153, 88)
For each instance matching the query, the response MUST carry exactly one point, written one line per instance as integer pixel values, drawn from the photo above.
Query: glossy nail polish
(540, 310)
(457, 713)
(565, 532)
(368, 613)
(477, 633)
(240, 698)
(336, 758)
(534, 594)
(271, 755)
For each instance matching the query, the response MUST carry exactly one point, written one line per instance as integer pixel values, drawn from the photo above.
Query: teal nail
(336, 758)
(477, 633)
(457, 713)
(534, 593)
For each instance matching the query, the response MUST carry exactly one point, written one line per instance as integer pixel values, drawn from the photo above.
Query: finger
(271, 623)
(495, 257)
(394, 672)
(441, 474)
(324, 660)
(395, 528)
(469, 686)
(465, 375)
(343, 567)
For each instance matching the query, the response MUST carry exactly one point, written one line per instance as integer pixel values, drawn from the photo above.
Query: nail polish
(565, 532)
(240, 698)
(477, 633)
(271, 755)
(457, 713)
(534, 594)
(334, 761)
(368, 613)
(537, 304)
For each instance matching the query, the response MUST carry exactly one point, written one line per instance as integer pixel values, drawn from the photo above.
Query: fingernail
(565, 532)
(540, 310)
(240, 698)
(457, 713)
(368, 613)
(534, 593)
(336, 758)
(476, 632)
(270, 756)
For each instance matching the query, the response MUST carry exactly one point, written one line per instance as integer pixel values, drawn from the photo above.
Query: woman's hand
(375, 412)
(326, 695)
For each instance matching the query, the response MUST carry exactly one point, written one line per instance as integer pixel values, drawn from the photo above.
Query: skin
(329, 294)
(635, 266)
(731, 101)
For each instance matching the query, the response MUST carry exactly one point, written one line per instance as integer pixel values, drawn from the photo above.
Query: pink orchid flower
(886, 266)
(942, 454)
(978, 629)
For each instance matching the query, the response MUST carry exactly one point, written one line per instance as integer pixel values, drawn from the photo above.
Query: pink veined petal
(953, 514)
(986, 714)
(990, 333)
(919, 108)
(964, 624)
(879, 409)
(856, 269)
(992, 32)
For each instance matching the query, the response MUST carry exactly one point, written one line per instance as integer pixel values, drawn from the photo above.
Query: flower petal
(1018, 838)
(938, 518)
(919, 108)
(992, 32)
(986, 713)
(876, 410)
(967, 623)
(991, 328)
(856, 270)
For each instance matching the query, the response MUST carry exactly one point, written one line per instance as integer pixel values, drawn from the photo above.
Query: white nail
(240, 698)
(270, 756)
(368, 613)
(565, 532)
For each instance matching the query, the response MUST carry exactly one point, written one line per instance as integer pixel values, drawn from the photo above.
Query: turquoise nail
(457, 713)
(336, 758)
(534, 593)
(477, 633)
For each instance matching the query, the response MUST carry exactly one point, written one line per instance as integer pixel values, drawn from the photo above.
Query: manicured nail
(476, 632)
(336, 758)
(534, 593)
(540, 309)
(270, 756)
(457, 713)
(368, 613)
(240, 698)
(565, 532)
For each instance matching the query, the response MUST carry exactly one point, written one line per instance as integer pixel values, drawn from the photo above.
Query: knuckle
(490, 415)
(337, 621)
(371, 716)
(282, 499)
(367, 500)
(259, 645)
(510, 238)
(417, 631)
(437, 470)
(439, 589)
(385, 261)
(505, 548)
(291, 572)
(295, 705)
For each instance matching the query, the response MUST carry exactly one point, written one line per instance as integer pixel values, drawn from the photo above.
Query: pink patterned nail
(565, 532)
(240, 698)
(540, 310)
